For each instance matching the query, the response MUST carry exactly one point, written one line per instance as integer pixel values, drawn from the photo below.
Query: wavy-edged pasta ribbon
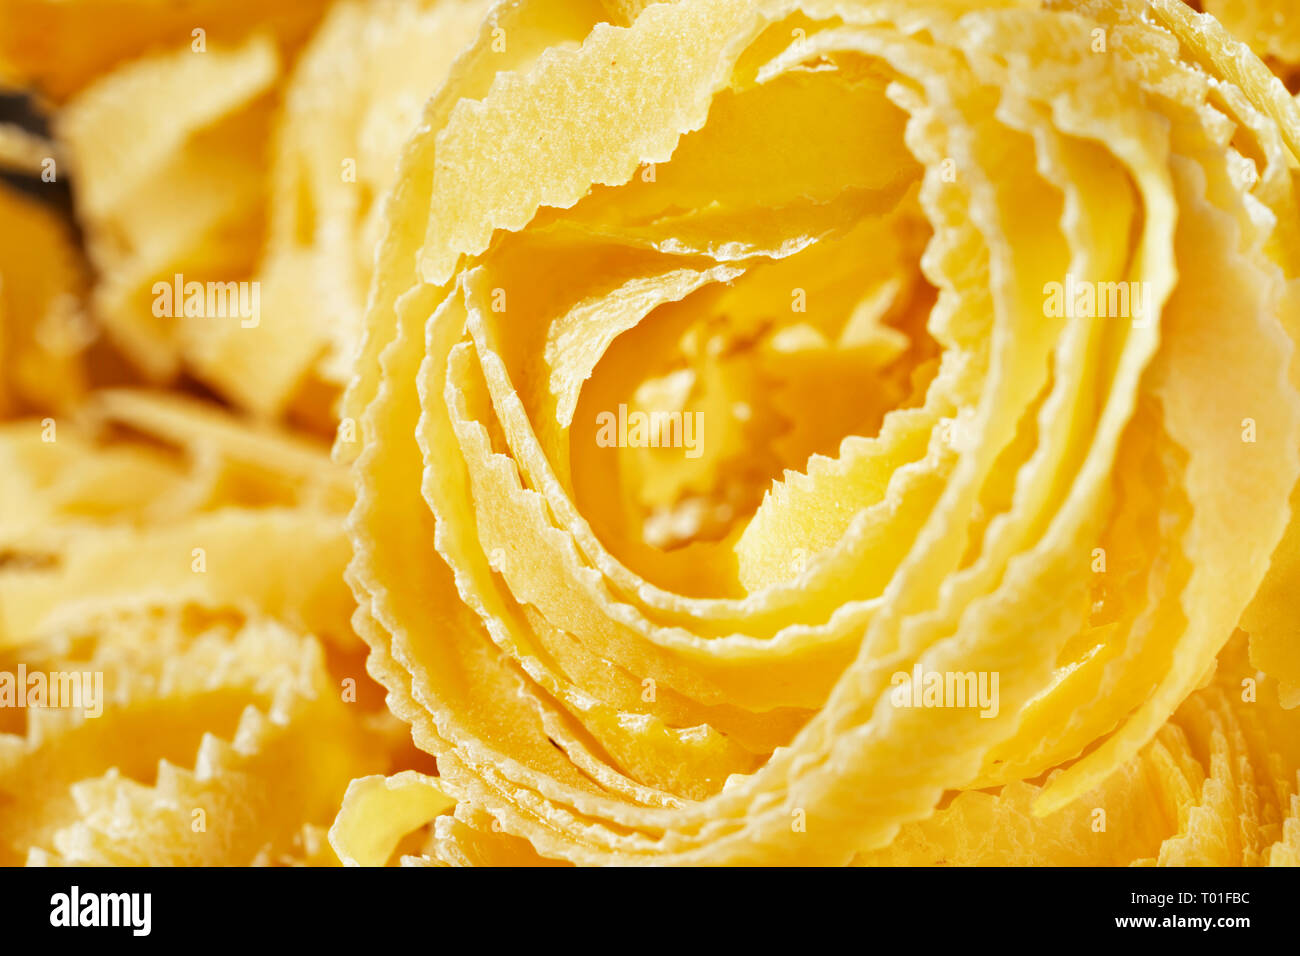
(802, 221)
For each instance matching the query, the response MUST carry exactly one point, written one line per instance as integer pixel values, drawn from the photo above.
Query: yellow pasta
(1270, 27)
(225, 711)
(1052, 496)
(336, 152)
(58, 47)
(44, 330)
(182, 573)
(173, 205)
(814, 432)
(281, 258)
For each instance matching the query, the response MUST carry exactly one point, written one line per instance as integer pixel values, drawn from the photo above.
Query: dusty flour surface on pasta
(764, 432)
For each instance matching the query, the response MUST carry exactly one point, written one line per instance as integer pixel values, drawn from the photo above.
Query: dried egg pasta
(1045, 492)
(767, 432)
